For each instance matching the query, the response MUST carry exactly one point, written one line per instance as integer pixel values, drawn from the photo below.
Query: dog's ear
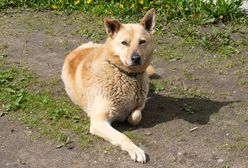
(148, 21)
(112, 26)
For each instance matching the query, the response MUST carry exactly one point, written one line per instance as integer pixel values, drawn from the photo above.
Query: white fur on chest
(124, 91)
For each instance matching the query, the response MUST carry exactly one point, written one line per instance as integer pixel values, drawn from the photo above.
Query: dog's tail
(151, 72)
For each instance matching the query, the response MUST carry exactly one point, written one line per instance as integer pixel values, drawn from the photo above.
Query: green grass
(137, 138)
(197, 11)
(243, 82)
(188, 108)
(221, 39)
(189, 75)
(24, 97)
(157, 86)
(246, 119)
(238, 143)
(91, 31)
(174, 88)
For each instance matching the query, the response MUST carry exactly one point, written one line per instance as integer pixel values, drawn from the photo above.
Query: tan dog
(110, 81)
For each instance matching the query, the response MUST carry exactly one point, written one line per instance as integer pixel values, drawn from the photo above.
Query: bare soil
(213, 134)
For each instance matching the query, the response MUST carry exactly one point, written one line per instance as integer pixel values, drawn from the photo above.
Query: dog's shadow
(160, 109)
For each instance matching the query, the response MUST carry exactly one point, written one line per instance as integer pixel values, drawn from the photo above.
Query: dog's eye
(142, 41)
(124, 43)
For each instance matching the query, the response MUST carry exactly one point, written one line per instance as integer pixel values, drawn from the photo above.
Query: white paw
(137, 154)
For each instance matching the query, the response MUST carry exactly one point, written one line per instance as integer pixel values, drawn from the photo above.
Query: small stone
(29, 132)
(148, 133)
(220, 160)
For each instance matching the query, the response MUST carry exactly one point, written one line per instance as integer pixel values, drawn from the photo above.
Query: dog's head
(131, 45)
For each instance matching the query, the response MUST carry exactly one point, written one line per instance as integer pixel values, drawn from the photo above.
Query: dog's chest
(126, 92)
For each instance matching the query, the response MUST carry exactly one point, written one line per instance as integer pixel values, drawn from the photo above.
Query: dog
(109, 81)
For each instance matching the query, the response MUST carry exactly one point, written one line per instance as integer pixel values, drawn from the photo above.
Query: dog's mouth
(133, 64)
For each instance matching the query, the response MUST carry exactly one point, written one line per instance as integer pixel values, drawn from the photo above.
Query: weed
(108, 149)
(18, 97)
(225, 166)
(65, 140)
(157, 86)
(170, 52)
(56, 114)
(238, 143)
(180, 90)
(2, 56)
(135, 137)
(88, 33)
(51, 116)
(243, 82)
(188, 108)
(4, 46)
(171, 87)
(246, 118)
(217, 38)
(190, 76)
(7, 76)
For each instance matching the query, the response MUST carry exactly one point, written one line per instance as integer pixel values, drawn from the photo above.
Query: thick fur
(101, 79)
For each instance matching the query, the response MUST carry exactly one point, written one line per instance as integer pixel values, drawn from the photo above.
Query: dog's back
(71, 72)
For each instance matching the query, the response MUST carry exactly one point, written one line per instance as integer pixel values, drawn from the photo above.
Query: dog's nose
(135, 57)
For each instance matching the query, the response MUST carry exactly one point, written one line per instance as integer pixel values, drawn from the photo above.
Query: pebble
(148, 133)
(220, 160)
(179, 153)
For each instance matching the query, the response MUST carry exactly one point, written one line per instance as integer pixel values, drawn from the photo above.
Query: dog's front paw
(137, 154)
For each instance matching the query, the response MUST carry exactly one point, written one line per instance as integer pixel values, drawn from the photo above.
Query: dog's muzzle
(136, 59)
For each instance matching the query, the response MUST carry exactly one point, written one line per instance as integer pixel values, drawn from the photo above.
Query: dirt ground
(216, 136)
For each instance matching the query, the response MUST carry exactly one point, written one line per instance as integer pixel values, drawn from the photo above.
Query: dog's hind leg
(100, 126)
(135, 117)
